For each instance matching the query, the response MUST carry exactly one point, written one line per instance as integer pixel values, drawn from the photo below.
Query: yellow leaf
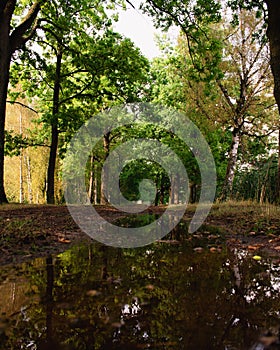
(257, 257)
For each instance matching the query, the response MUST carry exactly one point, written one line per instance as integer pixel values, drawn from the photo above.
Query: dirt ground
(31, 231)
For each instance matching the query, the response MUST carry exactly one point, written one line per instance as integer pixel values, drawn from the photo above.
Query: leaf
(150, 287)
(257, 257)
(198, 249)
(93, 293)
(63, 240)
(252, 247)
(213, 249)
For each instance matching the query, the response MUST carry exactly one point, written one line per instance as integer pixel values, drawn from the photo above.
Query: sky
(139, 28)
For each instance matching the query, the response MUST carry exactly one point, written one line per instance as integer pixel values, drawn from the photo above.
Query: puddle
(136, 220)
(163, 296)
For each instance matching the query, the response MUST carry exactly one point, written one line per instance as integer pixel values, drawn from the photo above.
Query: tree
(242, 101)
(237, 103)
(63, 26)
(81, 68)
(191, 15)
(12, 37)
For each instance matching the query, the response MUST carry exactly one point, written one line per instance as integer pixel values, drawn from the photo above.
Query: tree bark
(96, 185)
(273, 34)
(233, 154)
(29, 179)
(5, 59)
(55, 131)
(105, 176)
(91, 180)
(174, 195)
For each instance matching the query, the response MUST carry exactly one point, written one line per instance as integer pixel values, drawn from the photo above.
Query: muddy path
(31, 231)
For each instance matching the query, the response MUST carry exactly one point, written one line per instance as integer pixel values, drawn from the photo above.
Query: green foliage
(135, 172)
(196, 20)
(97, 72)
(14, 143)
(257, 181)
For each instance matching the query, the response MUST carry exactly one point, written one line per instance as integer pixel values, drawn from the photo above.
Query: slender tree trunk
(162, 192)
(176, 189)
(192, 189)
(55, 132)
(233, 154)
(105, 176)
(29, 179)
(273, 34)
(21, 193)
(91, 179)
(174, 196)
(96, 182)
(20, 163)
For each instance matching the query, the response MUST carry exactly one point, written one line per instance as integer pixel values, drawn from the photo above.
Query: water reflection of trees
(161, 296)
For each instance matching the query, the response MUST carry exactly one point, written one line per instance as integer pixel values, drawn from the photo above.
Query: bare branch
(23, 105)
(226, 95)
(129, 2)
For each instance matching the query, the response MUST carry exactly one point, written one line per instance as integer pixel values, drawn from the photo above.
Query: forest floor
(29, 231)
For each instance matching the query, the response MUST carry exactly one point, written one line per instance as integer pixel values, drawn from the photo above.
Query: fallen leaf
(198, 249)
(117, 324)
(63, 240)
(252, 247)
(150, 287)
(257, 257)
(212, 236)
(93, 293)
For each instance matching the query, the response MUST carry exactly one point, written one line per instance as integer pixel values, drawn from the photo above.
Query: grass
(253, 208)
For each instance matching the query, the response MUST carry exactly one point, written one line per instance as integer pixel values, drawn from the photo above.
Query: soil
(27, 232)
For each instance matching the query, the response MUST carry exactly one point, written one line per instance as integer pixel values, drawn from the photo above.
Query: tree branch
(226, 95)
(129, 2)
(23, 105)
(17, 37)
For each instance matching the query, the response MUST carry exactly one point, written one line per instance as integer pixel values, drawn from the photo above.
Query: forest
(63, 69)
(131, 185)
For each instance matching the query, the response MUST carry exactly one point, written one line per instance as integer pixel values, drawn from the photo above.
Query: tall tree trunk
(91, 179)
(96, 182)
(273, 34)
(55, 132)
(193, 194)
(21, 192)
(21, 195)
(29, 179)
(5, 58)
(233, 154)
(9, 43)
(105, 176)
(174, 196)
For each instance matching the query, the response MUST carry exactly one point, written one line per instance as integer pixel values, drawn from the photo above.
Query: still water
(162, 296)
